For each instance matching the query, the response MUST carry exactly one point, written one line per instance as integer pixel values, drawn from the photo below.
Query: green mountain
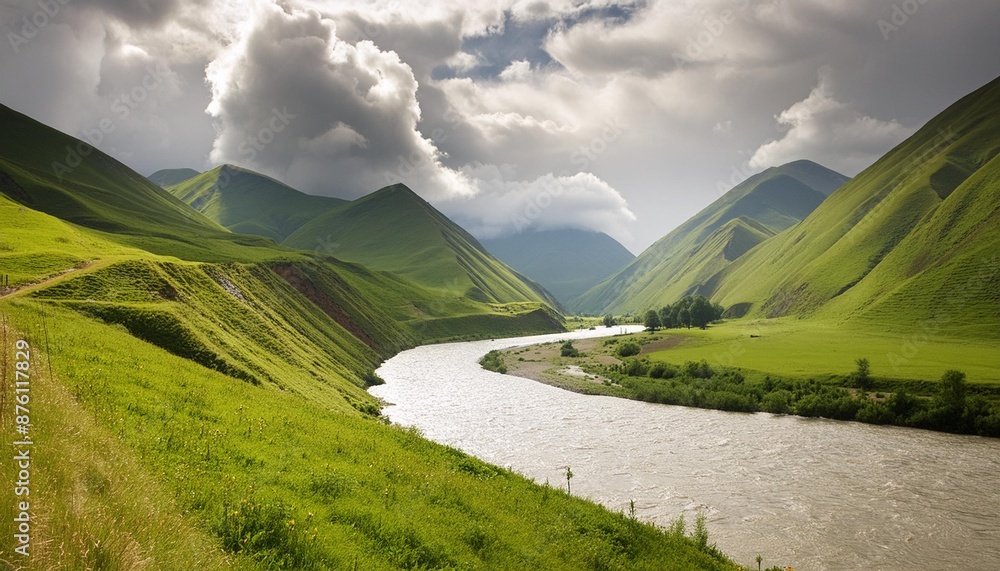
(686, 259)
(169, 177)
(565, 262)
(199, 414)
(912, 240)
(395, 230)
(247, 202)
(51, 172)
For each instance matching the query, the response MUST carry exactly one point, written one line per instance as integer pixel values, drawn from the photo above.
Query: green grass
(688, 257)
(199, 396)
(229, 461)
(803, 349)
(711, 369)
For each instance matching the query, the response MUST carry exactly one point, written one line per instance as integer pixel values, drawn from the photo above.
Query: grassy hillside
(251, 203)
(50, 172)
(395, 230)
(213, 415)
(169, 177)
(684, 260)
(909, 243)
(177, 466)
(565, 262)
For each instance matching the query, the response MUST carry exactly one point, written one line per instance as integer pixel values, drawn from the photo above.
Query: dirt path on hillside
(9, 291)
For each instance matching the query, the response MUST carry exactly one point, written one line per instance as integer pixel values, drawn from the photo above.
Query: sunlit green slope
(247, 202)
(395, 230)
(684, 260)
(911, 241)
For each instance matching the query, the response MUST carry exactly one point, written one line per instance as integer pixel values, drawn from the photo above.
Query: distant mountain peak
(687, 257)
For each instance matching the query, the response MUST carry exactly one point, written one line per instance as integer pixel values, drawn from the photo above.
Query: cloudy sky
(620, 116)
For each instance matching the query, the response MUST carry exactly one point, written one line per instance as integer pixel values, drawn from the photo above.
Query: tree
(951, 396)
(666, 317)
(701, 312)
(717, 311)
(685, 318)
(652, 320)
(862, 376)
(609, 321)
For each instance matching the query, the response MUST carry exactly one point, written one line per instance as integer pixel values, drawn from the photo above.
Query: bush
(662, 371)
(635, 368)
(493, 361)
(777, 402)
(568, 350)
(628, 349)
(698, 370)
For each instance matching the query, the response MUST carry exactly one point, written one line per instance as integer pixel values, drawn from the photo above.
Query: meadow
(176, 466)
(799, 348)
(782, 367)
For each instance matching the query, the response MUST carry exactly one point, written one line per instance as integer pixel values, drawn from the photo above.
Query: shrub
(493, 361)
(698, 370)
(861, 377)
(568, 350)
(635, 368)
(658, 370)
(628, 349)
(777, 402)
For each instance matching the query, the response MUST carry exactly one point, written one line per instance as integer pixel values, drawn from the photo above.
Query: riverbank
(598, 367)
(782, 486)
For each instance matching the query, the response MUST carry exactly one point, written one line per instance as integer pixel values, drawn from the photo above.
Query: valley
(212, 369)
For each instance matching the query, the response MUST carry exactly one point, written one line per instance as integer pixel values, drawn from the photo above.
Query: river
(807, 493)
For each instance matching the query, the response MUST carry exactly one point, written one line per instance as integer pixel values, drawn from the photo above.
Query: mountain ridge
(774, 199)
(382, 231)
(248, 202)
(890, 238)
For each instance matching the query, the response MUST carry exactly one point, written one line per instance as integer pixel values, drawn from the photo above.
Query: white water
(808, 493)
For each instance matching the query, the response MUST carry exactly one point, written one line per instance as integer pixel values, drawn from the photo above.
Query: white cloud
(293, 100)
(517, 71)
(822, 126)
(504, 207)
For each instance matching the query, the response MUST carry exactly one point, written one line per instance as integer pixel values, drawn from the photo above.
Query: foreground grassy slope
(908, 243)
(251, 203)
(395, 230)
(262, 478)
(565, 262)
(683, 261)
